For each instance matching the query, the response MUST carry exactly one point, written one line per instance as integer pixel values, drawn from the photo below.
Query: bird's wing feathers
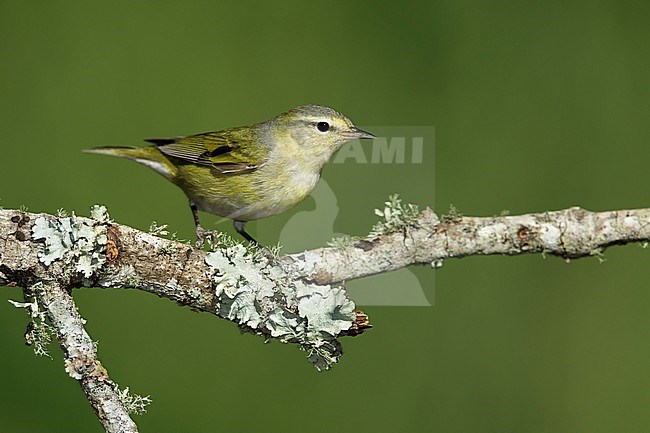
(230, 151)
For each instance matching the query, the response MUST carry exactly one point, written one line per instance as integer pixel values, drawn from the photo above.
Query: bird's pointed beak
(359, 134)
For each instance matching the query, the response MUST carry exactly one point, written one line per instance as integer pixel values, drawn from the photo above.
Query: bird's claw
(203, 235)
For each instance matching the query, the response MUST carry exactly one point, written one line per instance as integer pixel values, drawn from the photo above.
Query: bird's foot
(203, 235)
(212, 237)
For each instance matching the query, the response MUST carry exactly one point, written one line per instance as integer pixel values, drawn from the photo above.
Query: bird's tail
(149, 156)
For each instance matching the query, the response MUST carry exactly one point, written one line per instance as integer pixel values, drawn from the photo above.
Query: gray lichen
(75, 240)
(134, 403)
(39, 332)
(158, 230)
(396, 216)
(453, 216)
(261, 297)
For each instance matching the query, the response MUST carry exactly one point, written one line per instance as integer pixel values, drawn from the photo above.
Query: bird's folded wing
(231, 151)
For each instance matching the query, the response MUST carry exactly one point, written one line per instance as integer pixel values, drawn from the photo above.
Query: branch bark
(569, 233)
(296, 298)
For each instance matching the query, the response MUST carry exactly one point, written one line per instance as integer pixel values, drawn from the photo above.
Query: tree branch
(295, 298)
(569, 233)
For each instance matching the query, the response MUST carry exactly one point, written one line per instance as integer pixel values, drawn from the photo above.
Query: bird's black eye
(323, 126)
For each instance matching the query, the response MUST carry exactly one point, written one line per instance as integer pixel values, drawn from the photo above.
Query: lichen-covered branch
(234, 282)
(296, 298)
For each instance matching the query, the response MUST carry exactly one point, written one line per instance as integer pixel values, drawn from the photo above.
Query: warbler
(248, 172)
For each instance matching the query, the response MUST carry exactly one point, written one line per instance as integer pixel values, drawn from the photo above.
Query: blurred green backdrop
(536, 105)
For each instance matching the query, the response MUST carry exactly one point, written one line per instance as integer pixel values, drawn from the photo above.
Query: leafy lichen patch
(80, 241)
(261, 297)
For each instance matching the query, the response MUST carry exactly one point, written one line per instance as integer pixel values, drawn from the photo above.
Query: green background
(536, 106)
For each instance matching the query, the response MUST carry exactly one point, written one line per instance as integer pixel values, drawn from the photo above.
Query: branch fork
(297, 298)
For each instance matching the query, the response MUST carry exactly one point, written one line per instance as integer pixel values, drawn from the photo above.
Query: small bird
(248, 172)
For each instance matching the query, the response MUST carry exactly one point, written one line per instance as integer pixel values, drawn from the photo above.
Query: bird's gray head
(318, 127)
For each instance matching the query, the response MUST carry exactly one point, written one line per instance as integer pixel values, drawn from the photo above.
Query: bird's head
(319, 131)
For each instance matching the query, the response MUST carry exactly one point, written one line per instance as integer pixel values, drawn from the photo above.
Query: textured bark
(569, 233)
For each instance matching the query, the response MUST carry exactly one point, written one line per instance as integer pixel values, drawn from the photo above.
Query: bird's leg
(201, 234)
(195, 214)
(200, 231)
(239, 226)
